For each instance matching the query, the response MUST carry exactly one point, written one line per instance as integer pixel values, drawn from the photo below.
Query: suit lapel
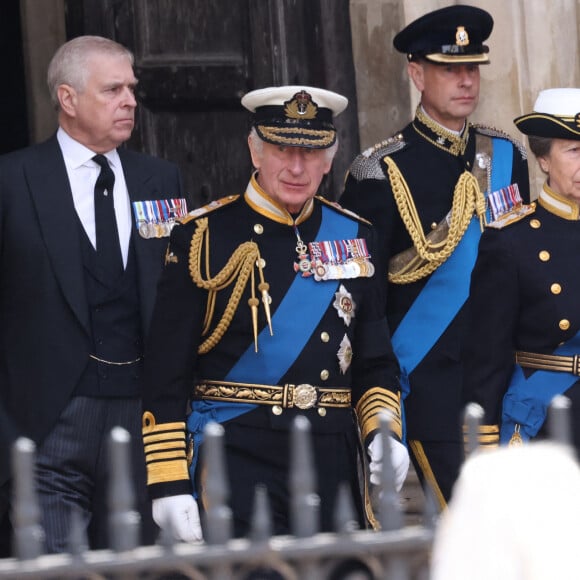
(51, 194)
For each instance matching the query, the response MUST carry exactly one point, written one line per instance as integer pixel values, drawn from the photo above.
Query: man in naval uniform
(428, 191)
(269, 307)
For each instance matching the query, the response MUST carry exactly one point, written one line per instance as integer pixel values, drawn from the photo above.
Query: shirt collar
(76, 154)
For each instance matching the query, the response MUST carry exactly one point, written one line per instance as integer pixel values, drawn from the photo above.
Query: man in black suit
(77, 289)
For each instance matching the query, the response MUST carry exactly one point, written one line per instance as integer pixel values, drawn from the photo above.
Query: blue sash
(526, 401)
(447, 289)
(277, 353)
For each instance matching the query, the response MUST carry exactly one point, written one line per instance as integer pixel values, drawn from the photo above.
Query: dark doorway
(196, 58)
(13, 114)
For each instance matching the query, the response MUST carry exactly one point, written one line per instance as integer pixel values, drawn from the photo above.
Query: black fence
(396, 552)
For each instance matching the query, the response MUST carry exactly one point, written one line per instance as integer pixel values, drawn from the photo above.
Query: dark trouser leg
(5, 525)
(73, 469)
(127, 414)
(437, 464)
(261, 456)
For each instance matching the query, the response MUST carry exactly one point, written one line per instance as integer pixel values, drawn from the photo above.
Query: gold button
(544, 255)
(324, 337)
(564, 324)
(324, 375)
(259, 228)
(556, 288)
(433, 225)
(322, 411)
(535, 223)
(261, 263)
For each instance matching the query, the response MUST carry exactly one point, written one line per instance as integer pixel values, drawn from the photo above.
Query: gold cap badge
(301, 106)
(461, 36)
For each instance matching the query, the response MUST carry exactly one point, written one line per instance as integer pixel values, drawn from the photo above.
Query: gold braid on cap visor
(319, 137)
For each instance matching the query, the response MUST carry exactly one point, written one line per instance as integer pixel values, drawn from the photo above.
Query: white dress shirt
(82, 175)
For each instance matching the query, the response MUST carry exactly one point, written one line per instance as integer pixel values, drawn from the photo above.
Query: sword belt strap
(288, 396)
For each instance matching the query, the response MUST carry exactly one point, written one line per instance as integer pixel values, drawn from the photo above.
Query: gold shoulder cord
(239, 267)
(467, 199)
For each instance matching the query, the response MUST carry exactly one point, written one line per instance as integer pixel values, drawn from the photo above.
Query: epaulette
(367, 165)
(205, 209)
(493, 132)
(336, 206)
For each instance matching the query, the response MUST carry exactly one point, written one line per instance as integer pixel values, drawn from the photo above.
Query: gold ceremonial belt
(287, 396)
(549, 362)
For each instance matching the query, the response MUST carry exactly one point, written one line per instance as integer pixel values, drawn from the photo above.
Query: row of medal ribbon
(155, 218)
(336, 259)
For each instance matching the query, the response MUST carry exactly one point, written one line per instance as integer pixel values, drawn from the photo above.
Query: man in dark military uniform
(269, 308)
(524, 344)
(428, 191)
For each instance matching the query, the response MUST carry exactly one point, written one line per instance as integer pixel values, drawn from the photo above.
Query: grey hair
(69, 63)
(540, 146)
(258, 145)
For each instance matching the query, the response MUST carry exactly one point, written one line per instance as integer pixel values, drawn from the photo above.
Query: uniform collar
(450, 141)
(558, 204)
(262, 203)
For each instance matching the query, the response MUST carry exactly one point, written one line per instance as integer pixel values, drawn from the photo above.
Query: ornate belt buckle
(305, 396)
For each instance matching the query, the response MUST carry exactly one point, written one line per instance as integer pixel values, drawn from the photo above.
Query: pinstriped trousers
(72, 471)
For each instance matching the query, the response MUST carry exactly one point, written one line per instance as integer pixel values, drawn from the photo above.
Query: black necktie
(108, 247)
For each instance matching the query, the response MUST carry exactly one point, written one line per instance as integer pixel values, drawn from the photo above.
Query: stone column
(43, 31)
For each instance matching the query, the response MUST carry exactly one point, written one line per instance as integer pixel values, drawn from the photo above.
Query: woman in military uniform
(525, 312)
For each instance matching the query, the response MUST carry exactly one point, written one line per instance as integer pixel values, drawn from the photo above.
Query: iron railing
(396, 552)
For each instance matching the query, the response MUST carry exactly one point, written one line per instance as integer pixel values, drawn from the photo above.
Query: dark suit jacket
(44, 318)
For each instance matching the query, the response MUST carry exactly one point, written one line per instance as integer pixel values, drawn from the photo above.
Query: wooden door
(195, 59)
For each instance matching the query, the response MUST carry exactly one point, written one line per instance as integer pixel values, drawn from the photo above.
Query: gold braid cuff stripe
(369, 408)
(321, 137)
(487, 436)
(166, 471)
(164, 450)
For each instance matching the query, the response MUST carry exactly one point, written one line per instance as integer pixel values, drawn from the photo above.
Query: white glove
(178, 514)
(399, 457)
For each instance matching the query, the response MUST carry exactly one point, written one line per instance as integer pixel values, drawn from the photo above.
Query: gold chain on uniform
(467, 199)
(458, 142)
(239, 267)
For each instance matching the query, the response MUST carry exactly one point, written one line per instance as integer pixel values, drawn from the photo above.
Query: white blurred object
(399, 457)
(180, 515)
(514, 515)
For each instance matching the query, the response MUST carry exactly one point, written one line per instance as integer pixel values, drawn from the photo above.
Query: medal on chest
(333, 259)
